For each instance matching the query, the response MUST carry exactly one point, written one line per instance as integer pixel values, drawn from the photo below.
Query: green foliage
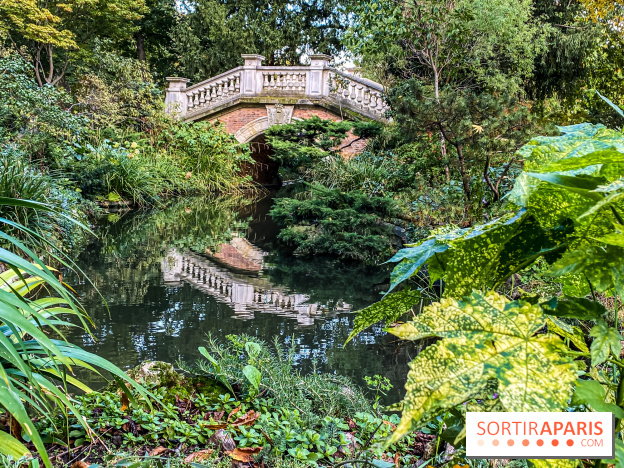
(554, 222)
(484, 338)
(212, 34)
(117, 92)
(36, 117)
(570, 218)
(112, 172)
(316, 419)
(302, 144)
(209, 153)
(481, 130)
(37, 369)
(373, 175)
(348, 226)
(19, 179)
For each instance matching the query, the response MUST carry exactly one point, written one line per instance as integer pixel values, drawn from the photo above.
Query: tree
(465, 61)
(49, 32)
(152, 41)
(212, 34)
(482, 129)
(561, 68)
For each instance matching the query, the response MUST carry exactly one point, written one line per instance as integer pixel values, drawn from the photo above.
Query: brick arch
(255, 118)
(249, 123)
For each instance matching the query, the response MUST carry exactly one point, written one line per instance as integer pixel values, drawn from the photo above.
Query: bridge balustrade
(316, 82)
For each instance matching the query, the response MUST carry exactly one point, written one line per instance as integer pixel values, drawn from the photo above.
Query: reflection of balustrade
(317, 81)
(245, 294)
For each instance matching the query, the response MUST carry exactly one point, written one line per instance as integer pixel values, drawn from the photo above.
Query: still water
(203, 267)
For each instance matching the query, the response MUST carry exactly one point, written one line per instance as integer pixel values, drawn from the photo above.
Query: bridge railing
(316, 81)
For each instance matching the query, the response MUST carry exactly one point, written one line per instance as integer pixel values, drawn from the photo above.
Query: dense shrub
(21, 180)
(347, 225)
(35, 117)
(209, 154)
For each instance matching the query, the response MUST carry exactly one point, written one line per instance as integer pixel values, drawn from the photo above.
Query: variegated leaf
(484, 337)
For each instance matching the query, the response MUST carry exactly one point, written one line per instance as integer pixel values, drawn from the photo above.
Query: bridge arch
(250, 99)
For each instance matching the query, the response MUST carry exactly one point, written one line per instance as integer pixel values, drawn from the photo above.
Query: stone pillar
(318, 84)
(251, 84)
(175, 97)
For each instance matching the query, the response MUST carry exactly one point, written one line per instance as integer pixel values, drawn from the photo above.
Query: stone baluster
(195, 98)
(367, 95)
(266, 80)
(373, 101)
(231, 87)
(359, 98)
(353, 95)
(213, 92)
(237, 84)
(380, 104)
(202, 96)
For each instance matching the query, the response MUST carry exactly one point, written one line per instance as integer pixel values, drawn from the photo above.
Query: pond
(172, 277)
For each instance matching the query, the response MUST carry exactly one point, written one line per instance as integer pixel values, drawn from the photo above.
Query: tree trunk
(462, 171)
(436, 86)
(138, 36)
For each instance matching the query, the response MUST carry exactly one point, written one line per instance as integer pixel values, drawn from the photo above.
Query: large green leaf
(576, 307)
(9, 445)
(592, 394)
(607, 340)
(389, 309)
(484, 337)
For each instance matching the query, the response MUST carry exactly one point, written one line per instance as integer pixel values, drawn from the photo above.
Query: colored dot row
(525, 442)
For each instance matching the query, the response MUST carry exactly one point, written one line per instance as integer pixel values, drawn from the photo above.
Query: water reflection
(210, 266)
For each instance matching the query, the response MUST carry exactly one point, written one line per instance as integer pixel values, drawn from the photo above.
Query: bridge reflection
(247, 294)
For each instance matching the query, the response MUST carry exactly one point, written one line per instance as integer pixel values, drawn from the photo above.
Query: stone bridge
(251, 98)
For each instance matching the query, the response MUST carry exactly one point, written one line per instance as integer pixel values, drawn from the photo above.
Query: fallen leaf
(157, 451)
(247, 419)
(125, 402)
(198, 457)
(80, 464)
(392, 426)
(234, 411)
(244, 454)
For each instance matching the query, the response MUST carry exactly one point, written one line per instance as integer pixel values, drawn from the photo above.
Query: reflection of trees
(327, 281)
(148, 320)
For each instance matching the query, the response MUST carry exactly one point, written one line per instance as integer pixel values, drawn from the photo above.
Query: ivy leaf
(591, 393)
(576, 307)
(484, 337)
(606, 339)
(389, 309)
